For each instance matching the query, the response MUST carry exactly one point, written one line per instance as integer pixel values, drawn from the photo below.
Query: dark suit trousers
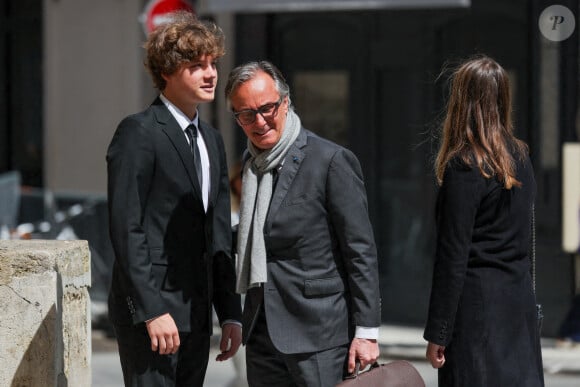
(145, 368)
(267, 367)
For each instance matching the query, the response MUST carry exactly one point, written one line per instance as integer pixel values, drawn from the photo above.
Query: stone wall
(45, 313)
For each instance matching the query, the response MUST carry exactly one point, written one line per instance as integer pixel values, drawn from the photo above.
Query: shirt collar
(181, 118)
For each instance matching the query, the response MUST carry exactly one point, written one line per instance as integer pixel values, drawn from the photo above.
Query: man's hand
(435, 355)
(230, 341)
(365, 350)
(163, 333)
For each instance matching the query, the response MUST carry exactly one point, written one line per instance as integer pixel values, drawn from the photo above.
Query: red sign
(157, 12)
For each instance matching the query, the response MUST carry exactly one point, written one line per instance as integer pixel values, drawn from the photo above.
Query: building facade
(367, 76)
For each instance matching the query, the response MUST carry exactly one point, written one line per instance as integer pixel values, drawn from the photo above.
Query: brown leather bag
(398, 373)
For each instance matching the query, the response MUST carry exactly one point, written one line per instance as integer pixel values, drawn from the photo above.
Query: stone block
(45, 313)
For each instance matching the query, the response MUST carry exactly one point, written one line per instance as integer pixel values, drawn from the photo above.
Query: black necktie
(191, 132)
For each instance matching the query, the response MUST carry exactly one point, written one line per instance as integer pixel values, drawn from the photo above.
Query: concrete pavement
(561, 365)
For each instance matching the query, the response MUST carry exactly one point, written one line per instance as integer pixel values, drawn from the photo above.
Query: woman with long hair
(482, 325)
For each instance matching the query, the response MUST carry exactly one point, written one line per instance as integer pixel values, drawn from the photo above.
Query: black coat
(482, 304)
(170, 255)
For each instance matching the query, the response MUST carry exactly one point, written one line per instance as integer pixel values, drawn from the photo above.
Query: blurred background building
(363, 73)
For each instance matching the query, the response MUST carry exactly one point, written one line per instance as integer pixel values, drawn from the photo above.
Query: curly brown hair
(478, 126)
(183, 39)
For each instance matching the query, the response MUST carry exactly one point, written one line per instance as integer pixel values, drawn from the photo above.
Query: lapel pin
(295, 159)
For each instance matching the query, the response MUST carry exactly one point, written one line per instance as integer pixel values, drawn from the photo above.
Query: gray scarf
(257, 186)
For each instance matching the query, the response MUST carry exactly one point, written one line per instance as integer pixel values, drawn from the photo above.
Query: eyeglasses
(248, 116)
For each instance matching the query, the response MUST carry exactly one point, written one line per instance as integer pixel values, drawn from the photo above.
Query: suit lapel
(292, 162)
(171, 128)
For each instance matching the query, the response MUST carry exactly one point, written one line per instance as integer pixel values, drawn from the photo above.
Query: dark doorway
(21, 89)
(371, 81)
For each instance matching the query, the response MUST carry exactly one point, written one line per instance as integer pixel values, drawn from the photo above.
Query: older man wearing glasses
(306, 254)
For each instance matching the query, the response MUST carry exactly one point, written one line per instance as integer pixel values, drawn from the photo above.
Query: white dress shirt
(184, 122)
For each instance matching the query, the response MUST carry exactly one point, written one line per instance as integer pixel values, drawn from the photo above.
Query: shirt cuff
(235, 322)
(366, 333)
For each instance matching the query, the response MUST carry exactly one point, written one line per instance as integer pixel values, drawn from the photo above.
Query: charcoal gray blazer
(321, 254)
(170, 255)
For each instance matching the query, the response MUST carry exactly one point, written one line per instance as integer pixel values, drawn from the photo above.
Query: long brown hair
(478, 127)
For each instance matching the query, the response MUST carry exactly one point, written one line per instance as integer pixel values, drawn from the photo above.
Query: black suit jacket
(321, 254)
(171, 255)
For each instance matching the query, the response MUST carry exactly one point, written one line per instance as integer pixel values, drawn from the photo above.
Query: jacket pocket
(323, 286)
(157, 256)
(165, 274)
(292, 201)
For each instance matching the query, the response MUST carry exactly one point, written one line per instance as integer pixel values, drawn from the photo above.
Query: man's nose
(210, 72)
(260, 120)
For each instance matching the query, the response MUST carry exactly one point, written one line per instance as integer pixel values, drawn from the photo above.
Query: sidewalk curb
(403, 342)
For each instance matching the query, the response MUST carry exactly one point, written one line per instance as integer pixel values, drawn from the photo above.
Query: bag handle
(358, 371)
(533, 255)
(539, 310)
